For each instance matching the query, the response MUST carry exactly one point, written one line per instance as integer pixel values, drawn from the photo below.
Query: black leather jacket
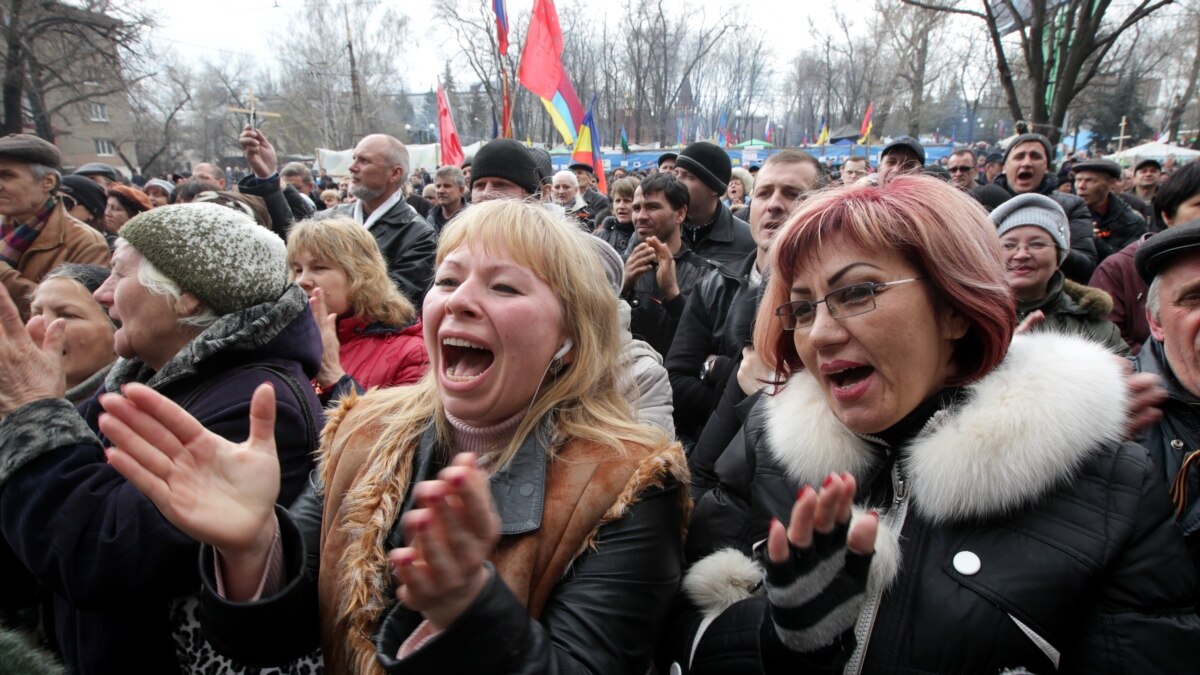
(1081, 260)
(653, 318)
(603, 617)
(408, 245)
(725, 241)
(718, 320)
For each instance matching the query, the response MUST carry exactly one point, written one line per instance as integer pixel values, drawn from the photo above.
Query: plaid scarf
(18, 239)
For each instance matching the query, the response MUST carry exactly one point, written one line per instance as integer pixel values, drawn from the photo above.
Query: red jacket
(382, 356)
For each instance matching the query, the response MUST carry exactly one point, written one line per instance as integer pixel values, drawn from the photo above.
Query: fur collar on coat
(1022, 431)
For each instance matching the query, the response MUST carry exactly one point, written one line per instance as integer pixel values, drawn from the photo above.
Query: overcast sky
(217, 29)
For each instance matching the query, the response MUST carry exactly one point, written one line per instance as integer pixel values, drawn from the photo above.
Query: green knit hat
(219, 255)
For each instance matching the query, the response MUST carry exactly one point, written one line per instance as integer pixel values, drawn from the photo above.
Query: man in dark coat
(586, 175)
(711, 230)
(1114, 223)
(1027, 169)
(660, 270)
(717, 319)
(405, 239)
(1170, 263)
(449, 185)
(121, 577)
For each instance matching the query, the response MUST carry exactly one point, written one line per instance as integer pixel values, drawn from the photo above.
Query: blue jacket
(72, 524)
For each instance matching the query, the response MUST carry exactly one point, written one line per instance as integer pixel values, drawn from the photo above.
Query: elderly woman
(371, 333)
(741, 186)
(1001, 524)
(1035, 237)
(124, 202)
(87, 353)
(206, 315)
(505, 514)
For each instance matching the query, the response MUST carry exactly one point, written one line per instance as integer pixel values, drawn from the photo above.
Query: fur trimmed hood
(1021, 432)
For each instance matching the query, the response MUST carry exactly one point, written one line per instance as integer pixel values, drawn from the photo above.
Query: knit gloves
(817, 592)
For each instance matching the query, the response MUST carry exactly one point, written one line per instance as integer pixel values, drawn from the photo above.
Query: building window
(91, 75)
(98, 112)
(105, 147)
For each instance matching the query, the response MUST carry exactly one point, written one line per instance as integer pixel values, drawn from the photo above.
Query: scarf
(18, 239)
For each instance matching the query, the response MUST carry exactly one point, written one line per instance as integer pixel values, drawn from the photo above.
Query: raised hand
(640, 261)
(664, 274)
(260, 154)
(28, 371)
(816, 568)
(441, 571)
(217, 492)
(331, 362)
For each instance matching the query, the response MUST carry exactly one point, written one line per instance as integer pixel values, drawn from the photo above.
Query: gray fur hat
(219, 255)
(1038, 211)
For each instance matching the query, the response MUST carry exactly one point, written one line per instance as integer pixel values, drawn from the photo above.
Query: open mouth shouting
(463, 360)
(850, 380)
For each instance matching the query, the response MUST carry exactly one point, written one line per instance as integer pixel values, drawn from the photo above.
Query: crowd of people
(484, 418)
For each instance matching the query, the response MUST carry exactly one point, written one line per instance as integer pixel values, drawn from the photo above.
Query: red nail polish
(874, 513)
(828, 481)
(458, 480)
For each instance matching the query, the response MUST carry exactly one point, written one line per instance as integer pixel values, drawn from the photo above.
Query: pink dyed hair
(938, 228)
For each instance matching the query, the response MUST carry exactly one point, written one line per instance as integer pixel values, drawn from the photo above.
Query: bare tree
(57, 56)
(157, 103)
(1063, 46)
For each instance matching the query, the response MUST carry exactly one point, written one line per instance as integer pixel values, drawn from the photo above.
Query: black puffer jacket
(717, 320)
(1173, 437)
(408, 245)
(1119, 227)
(1081, 260)
(1017, 531)
(614, 233)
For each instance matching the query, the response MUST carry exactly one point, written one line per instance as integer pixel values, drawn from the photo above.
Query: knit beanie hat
(610, 262)
(1038, 211)
(507, 159)
(708, 162)
(219, 255)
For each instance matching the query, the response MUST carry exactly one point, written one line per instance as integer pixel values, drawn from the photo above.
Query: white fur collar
(1024, 429)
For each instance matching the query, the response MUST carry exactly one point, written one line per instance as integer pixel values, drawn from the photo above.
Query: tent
(1153, 150)
(753, 143)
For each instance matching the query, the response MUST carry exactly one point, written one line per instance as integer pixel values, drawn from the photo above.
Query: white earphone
(566, 347)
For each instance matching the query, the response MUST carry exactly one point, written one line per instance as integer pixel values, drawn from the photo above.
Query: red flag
(541, 64)
(452, 152)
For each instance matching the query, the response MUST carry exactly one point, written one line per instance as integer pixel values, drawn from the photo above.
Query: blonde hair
(348, 246)
(745, 178)
(584, 401)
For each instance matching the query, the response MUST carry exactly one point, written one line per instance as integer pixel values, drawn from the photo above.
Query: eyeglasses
(68, 201)
(1036, 246)
(844, 302)
(960, 169)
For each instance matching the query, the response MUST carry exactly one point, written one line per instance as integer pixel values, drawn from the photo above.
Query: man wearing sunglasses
(963, 169)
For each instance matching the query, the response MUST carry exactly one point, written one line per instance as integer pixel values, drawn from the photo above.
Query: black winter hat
(1153, 256)
(86, 192)
(708, 162)
(508, 159)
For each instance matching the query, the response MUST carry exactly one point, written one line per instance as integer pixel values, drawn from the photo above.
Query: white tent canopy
(1153, 150)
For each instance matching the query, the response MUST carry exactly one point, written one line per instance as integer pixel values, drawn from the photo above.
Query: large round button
(966, 563)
